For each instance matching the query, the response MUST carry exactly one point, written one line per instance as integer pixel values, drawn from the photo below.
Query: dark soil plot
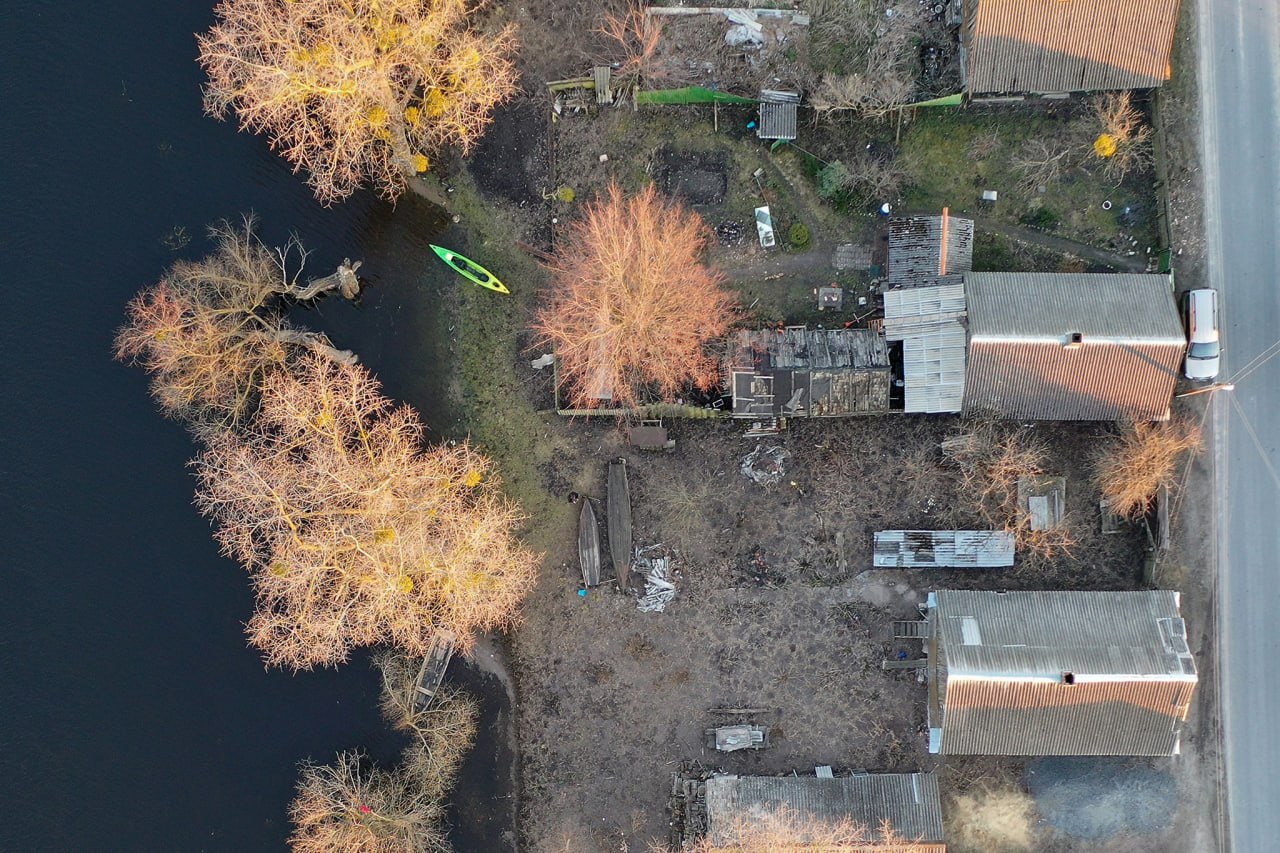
(511, 161)
(700, 178)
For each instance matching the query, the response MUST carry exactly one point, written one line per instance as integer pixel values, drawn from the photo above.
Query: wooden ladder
(915, 630)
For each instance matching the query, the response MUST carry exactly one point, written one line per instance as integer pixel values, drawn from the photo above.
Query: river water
(132, 715)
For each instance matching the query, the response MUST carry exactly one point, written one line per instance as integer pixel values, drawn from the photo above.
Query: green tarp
(945, 101)
(690, 95)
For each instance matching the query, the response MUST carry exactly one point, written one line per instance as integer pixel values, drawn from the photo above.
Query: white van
(1203, 346)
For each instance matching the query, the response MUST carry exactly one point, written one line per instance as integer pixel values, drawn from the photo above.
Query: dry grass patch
(991, 819)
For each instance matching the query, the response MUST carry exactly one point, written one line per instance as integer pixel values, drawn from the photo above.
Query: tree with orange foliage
(356, 90)
(213, 330)
(633, 306)
(353, 533)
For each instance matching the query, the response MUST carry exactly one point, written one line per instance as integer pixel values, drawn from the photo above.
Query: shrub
(798, 235)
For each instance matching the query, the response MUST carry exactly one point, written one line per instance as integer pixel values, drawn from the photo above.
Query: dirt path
(1120, 263)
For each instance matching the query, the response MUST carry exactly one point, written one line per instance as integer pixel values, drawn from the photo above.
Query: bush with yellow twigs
(1123, 143)
(1145, 456)
(353, 533)
(633, 307)
(356, 91)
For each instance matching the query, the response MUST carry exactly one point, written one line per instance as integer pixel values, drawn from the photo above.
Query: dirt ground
(777, 610)
(777, 606)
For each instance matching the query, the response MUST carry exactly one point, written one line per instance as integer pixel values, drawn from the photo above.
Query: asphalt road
(1240, 99)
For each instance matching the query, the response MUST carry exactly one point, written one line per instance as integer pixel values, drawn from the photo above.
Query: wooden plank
(618, 518)
(589, 544)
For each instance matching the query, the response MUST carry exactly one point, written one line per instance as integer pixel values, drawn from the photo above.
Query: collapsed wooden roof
(798, 372)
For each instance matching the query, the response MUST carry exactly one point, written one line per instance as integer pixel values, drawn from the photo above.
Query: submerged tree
(212, 331)
(353, 533)
(352, 805)
(634, 306)
(356, 90)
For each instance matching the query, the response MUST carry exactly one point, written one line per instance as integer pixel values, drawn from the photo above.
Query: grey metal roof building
(929, 320)
(1091, 347)
(922, 248)
(939, 549)
(908, 801)
(1057, 673)
(1044, 46)
(778, 115)
(799, 372)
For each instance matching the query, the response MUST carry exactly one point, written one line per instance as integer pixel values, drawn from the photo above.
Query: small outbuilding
(943, 549)
(923, 249)
(801, 372)
(778, 115)
(906, 803)
(1056, 673)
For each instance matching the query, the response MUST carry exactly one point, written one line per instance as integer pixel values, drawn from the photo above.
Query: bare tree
(882, 40)
(356, 90)
(635, 36)
(212, 331)
(993, 457)
(1145, 456)
(863, 177)
(353, 533)
(352, 805)
(1040, 162)
(1124, 139)
(634, 306)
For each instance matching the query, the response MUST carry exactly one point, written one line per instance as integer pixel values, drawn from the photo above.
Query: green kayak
(469, 269)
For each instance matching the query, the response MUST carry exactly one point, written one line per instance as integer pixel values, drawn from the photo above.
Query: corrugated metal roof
(983, 717)
(909, 801)
(1027, 306)
(928, 320)
(916, 256)
(913, 310)
(1022, 361)
(1045, 46)
(1062, 673)
(961, 549)
(778, 115)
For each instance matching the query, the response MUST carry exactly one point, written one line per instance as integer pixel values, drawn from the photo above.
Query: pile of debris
(763, 465)
(656, 565)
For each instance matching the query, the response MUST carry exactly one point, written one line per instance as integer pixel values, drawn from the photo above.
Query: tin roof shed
(922, 248)
(1058, 673)
(929, 321)
(1088, 347)
(778, 115)
(909, 802)
(943, 549)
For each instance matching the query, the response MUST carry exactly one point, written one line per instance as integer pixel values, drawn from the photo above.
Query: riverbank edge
(493, 411)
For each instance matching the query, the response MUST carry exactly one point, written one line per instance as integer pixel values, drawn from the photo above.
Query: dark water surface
(132, 716)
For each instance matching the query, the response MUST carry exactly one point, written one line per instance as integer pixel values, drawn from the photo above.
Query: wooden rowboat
(469, 269)
(589, 544)
(618, 518)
